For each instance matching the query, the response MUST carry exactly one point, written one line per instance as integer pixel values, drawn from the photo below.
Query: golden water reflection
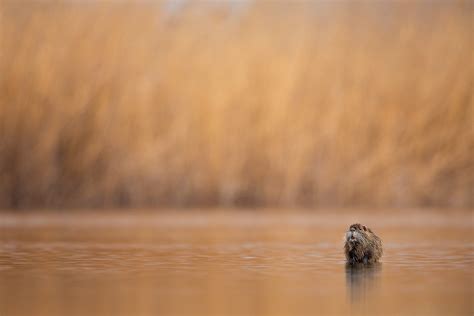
(227, 263)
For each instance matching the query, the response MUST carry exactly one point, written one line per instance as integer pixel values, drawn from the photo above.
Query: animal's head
(357, 234)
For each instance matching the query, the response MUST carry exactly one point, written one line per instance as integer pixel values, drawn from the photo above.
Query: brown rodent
(362, 245)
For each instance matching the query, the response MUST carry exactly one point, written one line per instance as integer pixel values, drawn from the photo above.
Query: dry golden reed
(290, 104)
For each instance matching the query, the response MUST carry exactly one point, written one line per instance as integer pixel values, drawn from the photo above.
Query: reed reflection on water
(231, 264)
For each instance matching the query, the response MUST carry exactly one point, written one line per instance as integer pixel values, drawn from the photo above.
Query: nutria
(362, 245)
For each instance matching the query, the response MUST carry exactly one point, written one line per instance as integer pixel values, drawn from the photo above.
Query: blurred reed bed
(308, 104)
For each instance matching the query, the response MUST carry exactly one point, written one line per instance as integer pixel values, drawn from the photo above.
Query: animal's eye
(365, 228)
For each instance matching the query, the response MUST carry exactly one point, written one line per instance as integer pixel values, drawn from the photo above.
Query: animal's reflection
(361, 280)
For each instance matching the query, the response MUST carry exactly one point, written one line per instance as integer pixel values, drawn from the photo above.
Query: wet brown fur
(366, 248)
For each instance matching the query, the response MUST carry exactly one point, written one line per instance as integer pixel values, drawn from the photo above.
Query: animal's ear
(364, 228)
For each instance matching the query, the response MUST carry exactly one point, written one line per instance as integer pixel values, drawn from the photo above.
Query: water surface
(232, 263)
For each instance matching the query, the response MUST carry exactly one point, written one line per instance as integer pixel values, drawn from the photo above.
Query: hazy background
(243, 103)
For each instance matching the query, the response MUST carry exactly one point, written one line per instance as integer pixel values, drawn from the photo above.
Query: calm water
(232, 263)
